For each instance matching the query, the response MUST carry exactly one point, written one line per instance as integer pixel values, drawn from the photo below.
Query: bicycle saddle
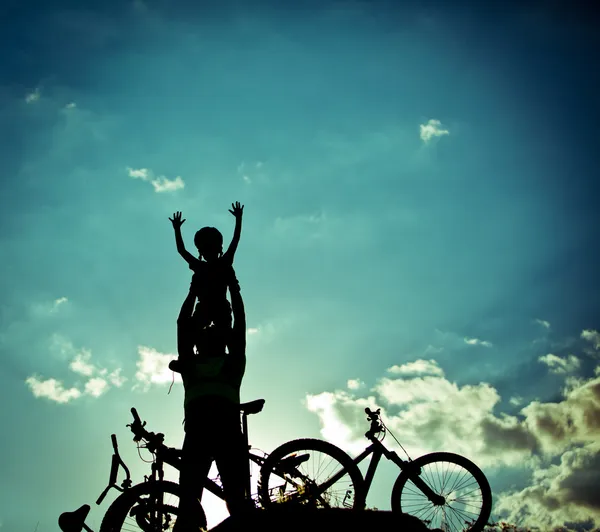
(73, 521)
(253, 407)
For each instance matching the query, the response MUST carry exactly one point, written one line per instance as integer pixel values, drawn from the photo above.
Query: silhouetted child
(213, 269)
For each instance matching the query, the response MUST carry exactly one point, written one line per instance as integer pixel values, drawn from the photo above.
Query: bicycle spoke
(451, 477)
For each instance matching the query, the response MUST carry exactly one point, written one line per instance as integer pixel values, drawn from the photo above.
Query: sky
(420, 234)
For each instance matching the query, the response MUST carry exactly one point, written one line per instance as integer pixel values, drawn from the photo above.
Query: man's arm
(237, 210)
(185, 344)
(238, 331)
(177, 223)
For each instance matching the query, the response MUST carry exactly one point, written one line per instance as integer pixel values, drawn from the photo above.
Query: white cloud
(543, 323)
(33, 97)
(153, 368)
(116, 379)
(81, 363)
(516, 400)
(51, 389)
(418, 367)
(355, 384)
(433, 128)
(49, 307)
(71, 105)
(58, 302)
(98, 379)
(160, 183)
(252, 330)
(477, 341)
(139, 173)
(96, 386)
(592, 336)
(432, 413)
(561, 493)
(560, 365)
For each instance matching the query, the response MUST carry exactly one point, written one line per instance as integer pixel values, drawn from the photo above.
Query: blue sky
(420, 233)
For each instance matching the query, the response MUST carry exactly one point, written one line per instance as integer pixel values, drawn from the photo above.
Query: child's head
(209, 242)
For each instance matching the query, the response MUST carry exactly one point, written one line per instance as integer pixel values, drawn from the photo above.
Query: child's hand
(236, 209)
(176, 220)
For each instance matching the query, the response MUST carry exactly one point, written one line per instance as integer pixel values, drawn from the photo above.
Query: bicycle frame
(170, 456)
(377, 449)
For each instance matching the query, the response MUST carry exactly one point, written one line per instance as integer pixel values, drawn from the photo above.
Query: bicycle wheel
(466, 492)
(149, 507)
(311, 472)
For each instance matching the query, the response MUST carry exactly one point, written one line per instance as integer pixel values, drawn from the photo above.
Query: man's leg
(232, 463)
(195, 465)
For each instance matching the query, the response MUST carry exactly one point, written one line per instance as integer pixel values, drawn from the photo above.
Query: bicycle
(459, 499)
(152, 505)
(308, 472)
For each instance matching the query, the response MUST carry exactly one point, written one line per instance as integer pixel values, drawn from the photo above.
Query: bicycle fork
(413, 473)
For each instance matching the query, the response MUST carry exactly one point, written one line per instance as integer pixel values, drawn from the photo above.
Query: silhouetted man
(211, 378)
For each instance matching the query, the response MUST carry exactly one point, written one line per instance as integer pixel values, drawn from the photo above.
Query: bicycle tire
(130, 511)
(466, 490)
(304, 488)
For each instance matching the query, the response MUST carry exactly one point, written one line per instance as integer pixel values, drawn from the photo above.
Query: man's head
(209, 242)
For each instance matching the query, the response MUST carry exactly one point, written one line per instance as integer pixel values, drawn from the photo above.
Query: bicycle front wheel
(147, 507)
(311, 472)
(466, 497)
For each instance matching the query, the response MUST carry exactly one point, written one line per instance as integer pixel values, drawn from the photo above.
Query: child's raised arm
(237, 210)
(177, 223)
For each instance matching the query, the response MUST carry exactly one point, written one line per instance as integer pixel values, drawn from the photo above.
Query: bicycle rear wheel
(147, 507)
(463, 486)
(311, 472)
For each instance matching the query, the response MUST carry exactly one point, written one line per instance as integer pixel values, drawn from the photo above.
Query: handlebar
(153, 442)
(140, 433)
(116, 462)
(376, 425)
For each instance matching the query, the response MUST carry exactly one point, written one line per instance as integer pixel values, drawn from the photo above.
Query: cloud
(355, 384)
(560, 365)
(58, 302)
(71, 105)
(160, 183)
(592, 336)
(51, 389)
(556, 442)
(477, 341)
(96, 386)
(153, 368)
(560, 494)
(140, 173)
(433, 128)
(418, 367)
(51, 307)
(432, 412)
(253, 330)
(98, 379)
(116, 379)
(33, 97)
(543, 323)
(81, 364)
